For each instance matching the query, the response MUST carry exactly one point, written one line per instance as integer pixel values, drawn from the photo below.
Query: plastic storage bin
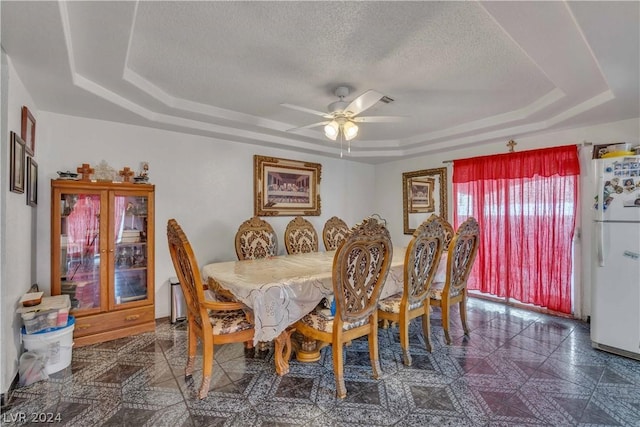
(52, 313)
(55, 345)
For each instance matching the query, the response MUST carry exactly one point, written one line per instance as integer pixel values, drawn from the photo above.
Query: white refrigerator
(615, 305)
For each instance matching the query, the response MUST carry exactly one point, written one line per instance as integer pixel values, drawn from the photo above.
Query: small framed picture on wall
(16, 165)
(32, 182)
(28, 131)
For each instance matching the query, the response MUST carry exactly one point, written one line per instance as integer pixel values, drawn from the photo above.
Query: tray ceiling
(462, 73)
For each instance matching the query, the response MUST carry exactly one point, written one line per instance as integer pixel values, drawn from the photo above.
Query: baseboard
(613, 350)
(516, 304)
(5, 396)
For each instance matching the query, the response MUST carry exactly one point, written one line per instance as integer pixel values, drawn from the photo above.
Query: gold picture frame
(285, 187)
(424, 192)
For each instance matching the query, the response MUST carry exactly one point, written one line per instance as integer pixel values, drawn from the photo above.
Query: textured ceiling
(461, 73)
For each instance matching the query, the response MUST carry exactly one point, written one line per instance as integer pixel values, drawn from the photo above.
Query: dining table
(280, 290)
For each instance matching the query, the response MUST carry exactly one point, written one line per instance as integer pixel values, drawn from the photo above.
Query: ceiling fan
(342, 116)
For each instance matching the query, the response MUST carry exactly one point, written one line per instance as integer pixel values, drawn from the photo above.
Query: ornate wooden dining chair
(360, 268)
(300, 237)
(212, 322)
(441, 271)
(333, 233)
(255, 239)
(420, 263)
(460, 258)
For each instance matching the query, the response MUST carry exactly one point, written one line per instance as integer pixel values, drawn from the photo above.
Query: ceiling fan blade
(307, 110)
(312, 125)
(378, 119)
(364, 101)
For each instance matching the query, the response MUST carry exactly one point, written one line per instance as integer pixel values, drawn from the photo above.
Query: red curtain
(526, 205)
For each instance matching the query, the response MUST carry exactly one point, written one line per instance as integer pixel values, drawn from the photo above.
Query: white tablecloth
(281, 290)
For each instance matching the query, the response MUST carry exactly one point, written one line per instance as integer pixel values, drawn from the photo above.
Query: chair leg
(373, 350)
(338, 370)
(426, 328)
(445, 322)
(463, 315)
(404, 341)
(192, 343)
(207, 367)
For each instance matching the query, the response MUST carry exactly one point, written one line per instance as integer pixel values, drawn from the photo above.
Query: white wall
(206, 185)
(18, 228)
(388, 185)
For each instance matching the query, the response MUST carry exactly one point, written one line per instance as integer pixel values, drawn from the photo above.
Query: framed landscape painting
(286, 187)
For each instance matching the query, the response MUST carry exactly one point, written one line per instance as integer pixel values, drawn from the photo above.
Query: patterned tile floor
(517, 368)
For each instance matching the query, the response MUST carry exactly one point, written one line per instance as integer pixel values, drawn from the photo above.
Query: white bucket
(56, 345)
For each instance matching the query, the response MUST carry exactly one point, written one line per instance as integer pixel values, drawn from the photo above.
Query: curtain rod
(584, 143)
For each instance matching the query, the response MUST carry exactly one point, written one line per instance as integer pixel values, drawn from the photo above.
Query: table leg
(307, 350)
(282, 352)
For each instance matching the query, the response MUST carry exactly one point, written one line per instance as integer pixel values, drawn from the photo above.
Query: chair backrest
(461, 256)
(448, 233)
(333, 233)
(300, 236)
(422, 258)
(360, 268)
(186, 266)
(255, 239)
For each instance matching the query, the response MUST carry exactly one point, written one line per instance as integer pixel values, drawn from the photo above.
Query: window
(526, 205)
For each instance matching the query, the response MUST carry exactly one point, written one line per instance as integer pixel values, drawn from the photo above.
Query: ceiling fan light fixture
(350, 130)
(332, 130)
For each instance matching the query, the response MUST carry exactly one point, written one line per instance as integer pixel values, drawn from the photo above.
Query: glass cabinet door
(130, 252)
(80, 249)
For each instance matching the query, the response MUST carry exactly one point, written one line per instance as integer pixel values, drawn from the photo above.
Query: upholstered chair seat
(228, 322)
(325, 324)
(391, 304)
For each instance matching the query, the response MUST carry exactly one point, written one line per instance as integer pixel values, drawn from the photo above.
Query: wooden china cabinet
(102, 256)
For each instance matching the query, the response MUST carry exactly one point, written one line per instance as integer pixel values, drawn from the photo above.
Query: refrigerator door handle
(600, 188)
(600, 243)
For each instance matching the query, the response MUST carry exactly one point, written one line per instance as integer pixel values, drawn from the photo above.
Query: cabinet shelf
(130, 269)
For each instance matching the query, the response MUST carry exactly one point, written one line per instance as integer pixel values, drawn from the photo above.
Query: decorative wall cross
(126, 174)
(512, 145)
(86, 171)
